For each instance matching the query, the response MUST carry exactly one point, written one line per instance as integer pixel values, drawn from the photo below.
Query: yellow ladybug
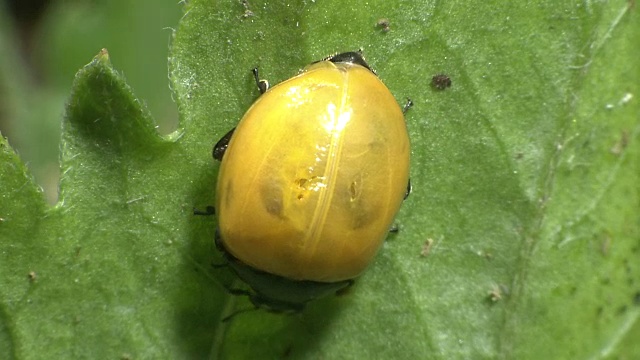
(310, 182)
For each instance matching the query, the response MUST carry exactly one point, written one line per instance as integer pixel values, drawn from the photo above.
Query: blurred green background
(42, 45)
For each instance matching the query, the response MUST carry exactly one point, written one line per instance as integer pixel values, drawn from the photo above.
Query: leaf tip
(103, 56)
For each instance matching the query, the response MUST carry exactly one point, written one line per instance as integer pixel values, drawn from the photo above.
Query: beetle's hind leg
(221, 146)
(407, 106)
(409, 189)
(263, 85)
(208, 211)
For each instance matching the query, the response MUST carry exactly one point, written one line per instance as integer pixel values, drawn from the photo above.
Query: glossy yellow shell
(314, 175)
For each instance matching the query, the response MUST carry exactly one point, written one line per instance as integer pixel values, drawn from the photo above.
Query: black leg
(208, 211)
(407, 106)
(219, 266)
(222, 144)
(409, 188)
(239, 292)
(263, 85)
(345, 289)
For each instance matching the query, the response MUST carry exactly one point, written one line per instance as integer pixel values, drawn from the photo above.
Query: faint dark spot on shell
(228, 193)
(271, 196)
(363, 212)
(353, 191)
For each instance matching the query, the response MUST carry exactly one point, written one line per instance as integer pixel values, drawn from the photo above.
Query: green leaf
(40, 56)
(521, 238)
(118, 268)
